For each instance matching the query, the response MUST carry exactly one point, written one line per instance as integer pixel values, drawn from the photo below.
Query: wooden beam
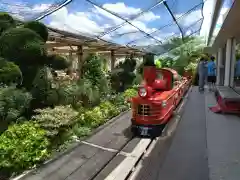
(93, 51)
(113, 60)
(80, 60)
(56, 44)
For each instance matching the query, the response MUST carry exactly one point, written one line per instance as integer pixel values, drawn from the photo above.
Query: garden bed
(115, 129)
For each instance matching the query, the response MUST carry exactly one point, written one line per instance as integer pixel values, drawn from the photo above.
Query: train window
(159, 76)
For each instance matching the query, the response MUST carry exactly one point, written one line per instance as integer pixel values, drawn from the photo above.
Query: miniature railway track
(127, 169)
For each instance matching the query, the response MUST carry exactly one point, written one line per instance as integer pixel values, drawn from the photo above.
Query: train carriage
(158, 96)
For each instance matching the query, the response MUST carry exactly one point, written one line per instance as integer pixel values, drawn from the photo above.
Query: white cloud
(122, 9)
(149, 16)
(40, 7)
(22, 10)
(191, 18)
(94, 21)
(74, 22)
(207, 13)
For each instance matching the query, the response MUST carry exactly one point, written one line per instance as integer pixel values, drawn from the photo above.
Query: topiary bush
(26, 49)
(39, 28)
(22, 46)
(6, 22)
(124, 75)
(22, 146)
(9, 72)
(57, 62)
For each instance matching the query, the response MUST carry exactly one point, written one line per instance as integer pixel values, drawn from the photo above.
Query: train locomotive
(159, 94)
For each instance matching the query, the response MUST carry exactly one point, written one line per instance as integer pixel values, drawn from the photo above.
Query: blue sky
(82, 17)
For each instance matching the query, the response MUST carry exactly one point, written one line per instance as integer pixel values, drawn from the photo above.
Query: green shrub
(13, 103)
(93, 71)
(81, 131)
(56, 120)
(129, 93)
(42, 91)
(108, 109)
(23, 46)
(26, 49)
(39, 28)
(6, 22)
(57, 62)
(22, 146)
(92, 118)
(9, 72)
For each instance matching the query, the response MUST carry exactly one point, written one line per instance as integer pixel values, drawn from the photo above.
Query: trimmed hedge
(39, 28)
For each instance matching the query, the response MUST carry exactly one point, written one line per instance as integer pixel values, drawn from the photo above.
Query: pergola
(62, 42)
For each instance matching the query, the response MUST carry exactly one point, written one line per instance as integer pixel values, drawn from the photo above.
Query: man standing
(211, 74)
(202, 72)
(237, 72)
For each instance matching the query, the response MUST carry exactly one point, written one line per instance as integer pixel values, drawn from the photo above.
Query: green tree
(183, 52)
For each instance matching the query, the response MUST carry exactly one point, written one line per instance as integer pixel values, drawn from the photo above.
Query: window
(159, 76)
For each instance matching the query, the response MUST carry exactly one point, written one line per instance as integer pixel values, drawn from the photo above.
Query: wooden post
(113, 59)
(80, 60)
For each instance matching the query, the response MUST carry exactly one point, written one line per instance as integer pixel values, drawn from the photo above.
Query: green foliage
(108, 109)
(138, 79)
(6, 22)
(81, 131)
(57, 62)
(39, 28)
(92, 118)
(42, 91)
(9, 72)
(22, 146)
(13, 103)
(56, 120)
(26, 49)
(129, 93)
(183, 53)
(22, 46)
(94, 83)
(124, 75)
(92, 69)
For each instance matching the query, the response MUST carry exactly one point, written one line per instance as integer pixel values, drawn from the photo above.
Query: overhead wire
(169, 24)
(58, 5)
(99, 6)
(134, 17)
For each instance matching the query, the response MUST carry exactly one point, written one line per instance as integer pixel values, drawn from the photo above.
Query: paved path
(86, 160)
(182, 157)
(205, 146)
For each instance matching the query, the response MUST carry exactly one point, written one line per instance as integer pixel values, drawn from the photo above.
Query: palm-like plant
(184, 52)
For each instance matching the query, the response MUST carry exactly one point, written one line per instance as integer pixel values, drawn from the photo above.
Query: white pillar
(219, 65)
(233, 61)
(228, 62)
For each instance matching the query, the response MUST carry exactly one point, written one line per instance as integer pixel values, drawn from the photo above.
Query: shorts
(212, 79)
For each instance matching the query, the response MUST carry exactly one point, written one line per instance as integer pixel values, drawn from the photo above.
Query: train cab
(158, 96)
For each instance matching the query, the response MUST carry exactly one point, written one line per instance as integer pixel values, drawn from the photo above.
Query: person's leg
(201, 82)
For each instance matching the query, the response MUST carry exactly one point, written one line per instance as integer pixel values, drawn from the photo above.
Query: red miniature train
(158, 96)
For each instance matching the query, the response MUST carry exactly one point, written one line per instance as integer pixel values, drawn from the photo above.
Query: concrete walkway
(205, 146)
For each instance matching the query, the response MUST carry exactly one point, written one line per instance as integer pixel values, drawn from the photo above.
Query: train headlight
(142, 92)
(164, 103)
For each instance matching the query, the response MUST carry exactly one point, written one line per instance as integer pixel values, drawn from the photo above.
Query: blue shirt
(211, 68)
(237, 70)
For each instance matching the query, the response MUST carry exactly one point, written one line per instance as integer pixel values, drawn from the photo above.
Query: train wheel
(134, 130)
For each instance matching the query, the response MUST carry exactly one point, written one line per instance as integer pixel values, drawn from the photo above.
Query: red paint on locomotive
(158, 96)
